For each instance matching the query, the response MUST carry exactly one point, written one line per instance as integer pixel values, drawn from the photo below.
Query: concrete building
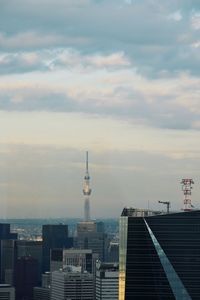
(71, 283)
(7, 292)
(84, 258)
(107, 281)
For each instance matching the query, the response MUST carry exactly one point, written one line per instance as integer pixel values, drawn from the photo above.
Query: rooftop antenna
(187, 191)
(87, 192)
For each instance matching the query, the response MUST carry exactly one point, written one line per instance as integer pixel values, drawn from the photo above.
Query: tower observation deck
(87, 192)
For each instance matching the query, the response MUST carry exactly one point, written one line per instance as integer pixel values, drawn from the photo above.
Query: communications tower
(87, 192)
(187, 191)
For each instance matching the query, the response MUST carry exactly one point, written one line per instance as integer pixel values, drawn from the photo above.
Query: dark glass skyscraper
(54, 236)
(5, 234)
(159, 255)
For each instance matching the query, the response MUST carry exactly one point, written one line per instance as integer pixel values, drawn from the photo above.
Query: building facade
(84, 258)
(107, 281)
(71, 283)
(7, 292)
(91, 235)
(54, 236)
(159, 255)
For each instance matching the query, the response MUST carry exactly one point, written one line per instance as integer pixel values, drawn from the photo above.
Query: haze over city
(117, 78)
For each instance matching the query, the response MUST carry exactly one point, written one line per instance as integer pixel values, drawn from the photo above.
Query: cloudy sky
(120, 78)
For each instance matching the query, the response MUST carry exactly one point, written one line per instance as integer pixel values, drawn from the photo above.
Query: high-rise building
(72, 284)
(91, 235)
(7, 292)
(5, 234)
(159, 255)
(43, 292)
(8, 258)
(83, 258)
(25, 277)
(54, 236)
(107, 281)
(33, 249)
(113, 251)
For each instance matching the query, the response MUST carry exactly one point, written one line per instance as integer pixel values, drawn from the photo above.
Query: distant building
(7, 292)
(84, 258)
(8, 258)
(43, 292)
(72, 284)
(33, 249)
(113, 251)
(25, 277)
(91, 235)
(107, 281)
(54, 236)
(5, 234)
(159, 255)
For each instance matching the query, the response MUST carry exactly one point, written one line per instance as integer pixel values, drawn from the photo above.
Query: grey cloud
(59, 58)
(163, 112)
(142, 29)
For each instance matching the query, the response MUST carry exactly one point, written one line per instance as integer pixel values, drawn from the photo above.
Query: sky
(119, 78)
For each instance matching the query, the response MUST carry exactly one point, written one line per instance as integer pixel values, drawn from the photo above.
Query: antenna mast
(87, 192)
(187, 191)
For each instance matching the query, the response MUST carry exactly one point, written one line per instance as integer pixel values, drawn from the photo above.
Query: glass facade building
(159, 255)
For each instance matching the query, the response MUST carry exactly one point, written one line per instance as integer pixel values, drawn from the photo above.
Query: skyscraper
(159, 255)
(33, 249)
(54, 236)
(91, 235)
(5, 234)
(26, 277)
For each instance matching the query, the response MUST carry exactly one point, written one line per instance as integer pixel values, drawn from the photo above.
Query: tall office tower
(7, 292)
(5, 234)
(159, 255)
(83, 258)
(33, 249)
(113, 251)
(91, 235)
(72, 284)
(8, 258)
(26, 277)
(43, 292)
(54, 236)
(107, 281)
(87, 192)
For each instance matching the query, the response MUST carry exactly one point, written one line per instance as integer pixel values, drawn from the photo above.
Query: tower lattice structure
(87, 191)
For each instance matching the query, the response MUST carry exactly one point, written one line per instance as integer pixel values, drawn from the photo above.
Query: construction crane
(166, 203)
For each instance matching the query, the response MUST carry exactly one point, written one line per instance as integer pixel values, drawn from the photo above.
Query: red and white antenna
(187, 191)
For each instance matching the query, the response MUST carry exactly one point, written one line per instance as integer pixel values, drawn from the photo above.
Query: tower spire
(87, 191)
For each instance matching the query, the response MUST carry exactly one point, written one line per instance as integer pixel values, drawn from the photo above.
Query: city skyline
(117, 78)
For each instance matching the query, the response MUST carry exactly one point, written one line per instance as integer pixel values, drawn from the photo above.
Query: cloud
(59, 58)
